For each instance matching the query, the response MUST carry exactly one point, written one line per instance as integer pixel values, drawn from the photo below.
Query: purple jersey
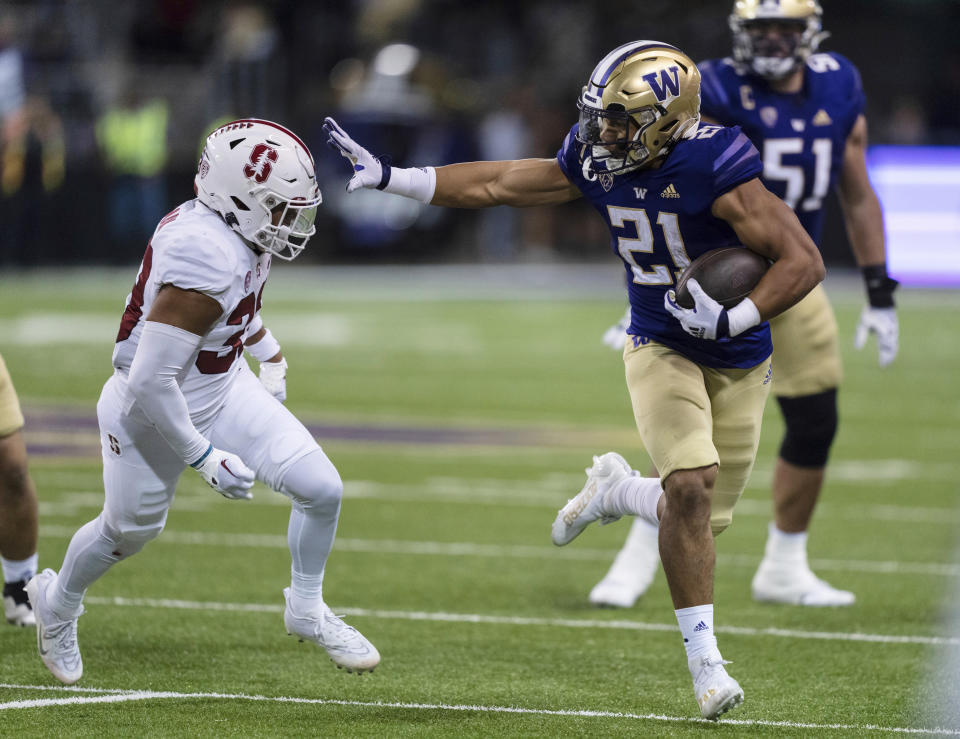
(660, 221)
(801, 135)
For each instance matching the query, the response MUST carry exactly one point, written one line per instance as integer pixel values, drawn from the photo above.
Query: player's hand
(616, 336)
(882, 322)
(273, 376)
(225, 473)
(367, 170)
(707, 319)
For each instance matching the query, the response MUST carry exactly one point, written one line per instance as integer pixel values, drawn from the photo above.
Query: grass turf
(433, 533)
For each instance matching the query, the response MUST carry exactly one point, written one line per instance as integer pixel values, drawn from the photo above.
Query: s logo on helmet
(260, 164)
(665, 88)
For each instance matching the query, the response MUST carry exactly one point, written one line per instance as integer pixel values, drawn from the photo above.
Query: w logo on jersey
(668, 86)
(260, 164)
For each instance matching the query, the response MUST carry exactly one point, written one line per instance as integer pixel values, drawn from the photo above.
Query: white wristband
(418, 183)
(265, 349)
(742, 316)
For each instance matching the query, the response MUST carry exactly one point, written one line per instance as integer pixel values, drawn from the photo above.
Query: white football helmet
(259, 176)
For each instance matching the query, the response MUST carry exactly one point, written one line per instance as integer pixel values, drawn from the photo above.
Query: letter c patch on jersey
(260, 164)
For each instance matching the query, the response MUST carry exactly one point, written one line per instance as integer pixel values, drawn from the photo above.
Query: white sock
(635, 496)
(15, 570)
(306, 591)
(786, 547)
(312, 528)
(696, 626)
(89, 555)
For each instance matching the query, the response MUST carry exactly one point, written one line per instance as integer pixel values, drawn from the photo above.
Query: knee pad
(314, 483)
(811, 422)
(127, 537)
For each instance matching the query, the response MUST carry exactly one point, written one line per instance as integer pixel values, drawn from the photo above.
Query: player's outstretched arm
(171, 336)
(864, 220)
(765, 224)
(520, 183)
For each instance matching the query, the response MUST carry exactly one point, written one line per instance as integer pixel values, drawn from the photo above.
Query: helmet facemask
(613, 149)
(287, 225)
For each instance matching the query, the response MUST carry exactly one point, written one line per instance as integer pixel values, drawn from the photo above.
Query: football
(727, 275)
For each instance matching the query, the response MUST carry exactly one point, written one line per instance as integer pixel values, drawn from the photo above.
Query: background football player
(804, 111)
(183, 396)
(18, 508)
(668, 190)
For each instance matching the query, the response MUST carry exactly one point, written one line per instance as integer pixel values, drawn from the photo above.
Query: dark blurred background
(105, 104)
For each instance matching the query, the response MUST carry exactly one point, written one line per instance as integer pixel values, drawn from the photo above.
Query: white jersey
(193, 249)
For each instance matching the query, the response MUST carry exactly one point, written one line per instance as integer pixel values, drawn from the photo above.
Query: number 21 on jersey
(658, 274)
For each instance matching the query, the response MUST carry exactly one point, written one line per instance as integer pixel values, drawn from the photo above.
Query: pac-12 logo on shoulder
(248, 277)
(114, 444)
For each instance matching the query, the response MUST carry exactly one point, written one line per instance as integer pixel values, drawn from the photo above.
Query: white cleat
(586, 506)
(632, 571)
(796, 585)
(56, 637)
(716, 691)
(16, 606)
(347, 647)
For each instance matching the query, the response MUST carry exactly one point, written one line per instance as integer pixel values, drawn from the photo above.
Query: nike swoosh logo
(223, 463)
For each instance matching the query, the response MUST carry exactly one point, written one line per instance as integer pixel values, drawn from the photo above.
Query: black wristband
(723, 325)
(880, 286)
(384, 171)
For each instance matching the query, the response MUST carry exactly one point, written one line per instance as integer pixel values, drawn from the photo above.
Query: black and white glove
(368, 171)
(879, 316)
(707, 319)
(226, 473)
(273, 376)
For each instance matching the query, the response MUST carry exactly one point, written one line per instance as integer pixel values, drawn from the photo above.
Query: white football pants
(140, 474)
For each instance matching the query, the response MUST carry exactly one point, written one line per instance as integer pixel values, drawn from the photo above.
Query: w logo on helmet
(260, 164)
(668, 86)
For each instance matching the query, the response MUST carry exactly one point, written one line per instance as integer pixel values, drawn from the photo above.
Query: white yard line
(116, 696)
(510, 551)
(477, 618)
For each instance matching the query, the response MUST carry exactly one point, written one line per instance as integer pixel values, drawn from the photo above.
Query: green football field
(461, 406)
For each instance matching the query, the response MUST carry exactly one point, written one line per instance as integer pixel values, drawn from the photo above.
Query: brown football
(727, 275)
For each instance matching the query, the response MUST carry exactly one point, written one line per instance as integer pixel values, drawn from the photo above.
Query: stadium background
(105, 104)
(460, 401)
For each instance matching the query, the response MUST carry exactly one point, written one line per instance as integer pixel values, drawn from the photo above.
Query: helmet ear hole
(239, 203)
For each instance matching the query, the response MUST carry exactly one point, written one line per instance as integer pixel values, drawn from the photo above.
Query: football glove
(707, 319)
(367, 170)
(882, 322)
(273, 376)
(226, 473)
(616, 336)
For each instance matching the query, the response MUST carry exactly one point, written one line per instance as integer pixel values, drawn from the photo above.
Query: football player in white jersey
(182, 396)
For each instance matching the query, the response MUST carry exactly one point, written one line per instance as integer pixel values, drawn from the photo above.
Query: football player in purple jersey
(804, 112)
(669, 189)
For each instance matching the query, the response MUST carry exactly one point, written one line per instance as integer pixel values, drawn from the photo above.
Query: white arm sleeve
(163, 353)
